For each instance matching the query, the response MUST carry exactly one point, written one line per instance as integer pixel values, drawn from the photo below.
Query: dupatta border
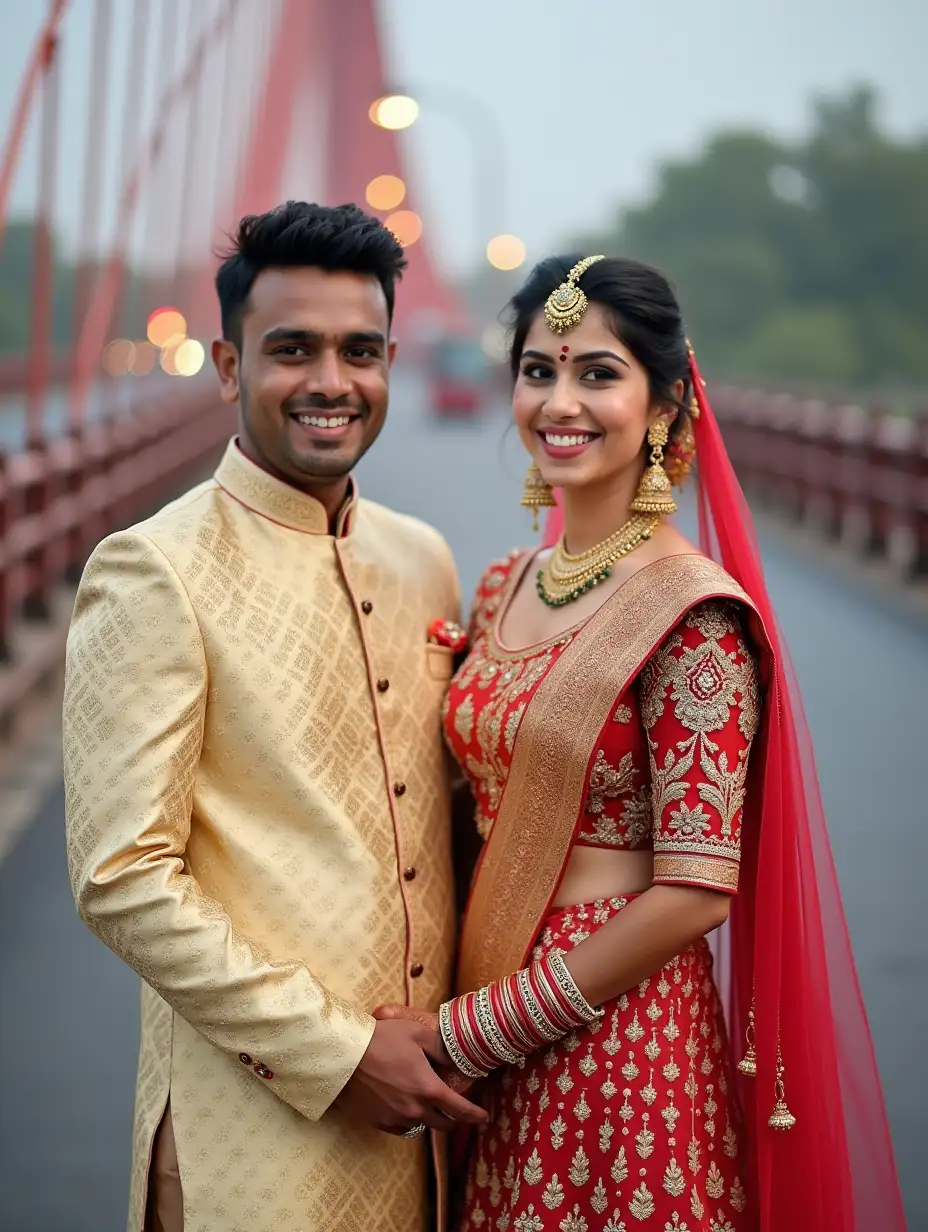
(530, 841)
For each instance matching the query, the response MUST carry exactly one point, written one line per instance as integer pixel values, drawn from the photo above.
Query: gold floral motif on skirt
(630, 1123)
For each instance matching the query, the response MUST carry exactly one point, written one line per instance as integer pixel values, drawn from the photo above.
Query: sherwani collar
(271, 498)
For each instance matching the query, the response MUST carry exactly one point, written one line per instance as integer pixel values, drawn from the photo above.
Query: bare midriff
(595, 873)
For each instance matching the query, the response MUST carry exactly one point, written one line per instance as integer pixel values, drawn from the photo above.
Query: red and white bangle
(456, 1024)
(502, 1023)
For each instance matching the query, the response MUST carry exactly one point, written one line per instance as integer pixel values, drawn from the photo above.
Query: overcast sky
(588, 95)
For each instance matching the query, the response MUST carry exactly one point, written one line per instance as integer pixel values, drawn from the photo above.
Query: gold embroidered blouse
(668, 769)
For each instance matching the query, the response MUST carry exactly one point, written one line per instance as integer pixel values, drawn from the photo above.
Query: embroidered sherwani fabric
(634, 1119)
(257, 815)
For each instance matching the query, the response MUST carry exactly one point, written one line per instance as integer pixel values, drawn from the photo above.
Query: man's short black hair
(299, 233)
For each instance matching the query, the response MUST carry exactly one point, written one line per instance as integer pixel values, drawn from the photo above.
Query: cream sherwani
(258, 823)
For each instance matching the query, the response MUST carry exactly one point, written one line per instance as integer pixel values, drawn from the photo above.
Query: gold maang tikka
(565, 306)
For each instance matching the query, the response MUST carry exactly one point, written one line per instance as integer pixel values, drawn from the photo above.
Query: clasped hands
(395, 1087)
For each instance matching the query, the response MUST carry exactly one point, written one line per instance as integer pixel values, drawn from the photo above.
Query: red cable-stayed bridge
(249, 102)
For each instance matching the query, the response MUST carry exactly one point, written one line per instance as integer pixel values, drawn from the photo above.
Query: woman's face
(581, 402)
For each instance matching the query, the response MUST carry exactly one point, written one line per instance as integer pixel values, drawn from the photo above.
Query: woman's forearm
(647, 933)
(504, 1021)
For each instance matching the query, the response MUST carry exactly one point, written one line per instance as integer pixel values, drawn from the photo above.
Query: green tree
(15, 287)
(812, 345)
(16, 283)
(797, 261)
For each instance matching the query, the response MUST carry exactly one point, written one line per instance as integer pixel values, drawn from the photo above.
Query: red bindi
(564, 352)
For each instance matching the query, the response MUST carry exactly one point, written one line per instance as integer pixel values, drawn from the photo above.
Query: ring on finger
(416, 1131)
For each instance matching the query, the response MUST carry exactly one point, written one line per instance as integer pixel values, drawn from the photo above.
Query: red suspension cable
(223, 135)
(42, 272)
(94, 149)
(183, 279)
(107, 289)
(130, 126)
(31, 82)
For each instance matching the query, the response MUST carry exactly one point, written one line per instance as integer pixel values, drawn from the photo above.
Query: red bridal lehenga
(668, 720)
(632, 1116)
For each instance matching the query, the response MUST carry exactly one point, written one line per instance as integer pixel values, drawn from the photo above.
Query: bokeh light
(789, 184)
(189, 357)
(166, 326)
(385, 192)
(143, 358)
(394, 111)
(405, 225)
(167, 361)
(117, 356)
(505, 252)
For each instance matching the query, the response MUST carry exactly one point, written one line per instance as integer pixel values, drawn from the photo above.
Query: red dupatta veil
(786, 946)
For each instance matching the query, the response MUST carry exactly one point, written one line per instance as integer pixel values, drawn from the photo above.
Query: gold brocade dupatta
(530, 841)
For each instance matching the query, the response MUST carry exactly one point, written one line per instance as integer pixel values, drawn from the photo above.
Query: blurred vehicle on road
(458, 376)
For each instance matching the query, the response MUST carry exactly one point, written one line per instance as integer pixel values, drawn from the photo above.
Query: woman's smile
(566, 443)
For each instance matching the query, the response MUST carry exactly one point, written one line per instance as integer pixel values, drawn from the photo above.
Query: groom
(257, 792)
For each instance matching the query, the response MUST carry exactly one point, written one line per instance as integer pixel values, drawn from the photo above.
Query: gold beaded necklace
(564, 578)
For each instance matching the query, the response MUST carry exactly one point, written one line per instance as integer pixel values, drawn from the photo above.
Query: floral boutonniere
(450, 635)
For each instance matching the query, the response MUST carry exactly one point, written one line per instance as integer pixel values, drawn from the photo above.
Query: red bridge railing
(58, 501)
(855, 474)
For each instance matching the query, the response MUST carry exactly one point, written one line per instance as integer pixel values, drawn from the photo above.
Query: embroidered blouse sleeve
(700, 708)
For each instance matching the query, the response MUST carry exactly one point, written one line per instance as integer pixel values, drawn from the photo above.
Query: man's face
(312, 378)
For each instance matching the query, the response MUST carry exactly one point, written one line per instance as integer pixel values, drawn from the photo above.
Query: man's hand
(395, 1087)
(451, 1075)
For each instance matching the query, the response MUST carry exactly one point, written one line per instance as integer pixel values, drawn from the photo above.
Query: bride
(642, 776)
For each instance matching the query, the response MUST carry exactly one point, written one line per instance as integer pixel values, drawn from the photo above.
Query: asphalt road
(69, 1010)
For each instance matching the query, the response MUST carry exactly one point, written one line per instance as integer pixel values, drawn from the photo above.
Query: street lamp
(396, 111)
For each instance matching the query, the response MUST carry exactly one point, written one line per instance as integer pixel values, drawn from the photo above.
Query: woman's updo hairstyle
(645, 316)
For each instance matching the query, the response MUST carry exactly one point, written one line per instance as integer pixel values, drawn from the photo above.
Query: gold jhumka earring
(654, 492)
(537, 494)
